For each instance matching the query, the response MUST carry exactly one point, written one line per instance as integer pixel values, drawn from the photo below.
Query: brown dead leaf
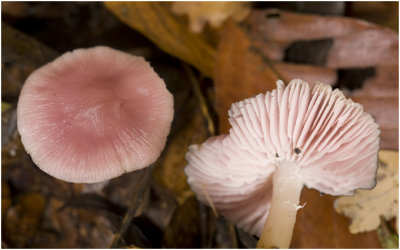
(156, 22)
(345, 52)
(364, 48)
(379, 12)
(285, 26)
(214, 13)
(366, 206)
(240, 72)
(354, 43)
(308, 73)
(190, 129)
(275, 36)
(319, 226)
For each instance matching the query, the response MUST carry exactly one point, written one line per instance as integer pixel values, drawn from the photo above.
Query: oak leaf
(366, 206)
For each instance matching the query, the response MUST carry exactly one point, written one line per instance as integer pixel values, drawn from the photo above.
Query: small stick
(232, 234)
(203, 104)
(209, 200)
(133, 206)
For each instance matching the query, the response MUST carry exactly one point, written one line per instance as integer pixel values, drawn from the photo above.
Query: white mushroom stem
(287, 186)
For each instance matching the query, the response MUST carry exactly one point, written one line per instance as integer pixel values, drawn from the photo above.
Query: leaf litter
(236, 59)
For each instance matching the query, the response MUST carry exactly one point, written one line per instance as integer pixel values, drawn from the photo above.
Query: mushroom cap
(93, 114)
(331, 141)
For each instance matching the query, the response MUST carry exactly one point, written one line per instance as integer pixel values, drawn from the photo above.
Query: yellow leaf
(366, 206)
(156, 22)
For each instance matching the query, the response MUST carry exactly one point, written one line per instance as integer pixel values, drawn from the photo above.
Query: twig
(232, 234)
(133, 206)
(203, 104)
(210, 202)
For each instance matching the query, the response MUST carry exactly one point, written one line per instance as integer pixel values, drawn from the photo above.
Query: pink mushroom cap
(94, 114)
(328, 141)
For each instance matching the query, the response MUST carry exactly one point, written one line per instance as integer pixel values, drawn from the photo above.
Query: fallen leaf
(308, 73)
(285, 26)
(155, 21)
(189, 129)
(366, 207)
(240, 72)
(345, 52)
(319, 226)
(346, 42)
(214, 13)
(363, 48)
(379, 12)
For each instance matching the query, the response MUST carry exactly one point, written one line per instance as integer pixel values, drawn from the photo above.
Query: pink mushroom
(94, 114)
(279, 142)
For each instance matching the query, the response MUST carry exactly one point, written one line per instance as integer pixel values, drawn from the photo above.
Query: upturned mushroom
(278, 143)
(94, 114)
